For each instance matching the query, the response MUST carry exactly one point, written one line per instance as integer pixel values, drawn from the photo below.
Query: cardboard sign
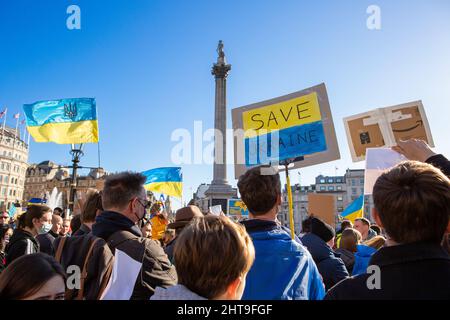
(385, 127)
(237, 207)
(297, 127)
(323, 206)
(377, 161)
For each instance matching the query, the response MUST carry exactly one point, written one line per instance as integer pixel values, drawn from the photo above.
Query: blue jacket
(330, 266)
(283, 268)
(362, 258)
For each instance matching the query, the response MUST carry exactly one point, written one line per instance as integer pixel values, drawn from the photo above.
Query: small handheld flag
(63, 121)
(354, 210)
(165, 180)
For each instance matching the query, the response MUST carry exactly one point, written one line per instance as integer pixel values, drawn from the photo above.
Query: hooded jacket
(121, 233)
(21, 243)
(347, 257)
(362, 258)
(283, 268)
(330, 266)
(178, 292)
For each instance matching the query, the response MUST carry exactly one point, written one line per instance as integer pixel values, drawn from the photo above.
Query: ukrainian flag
(168, 181)
(354, 210)
(63, 121)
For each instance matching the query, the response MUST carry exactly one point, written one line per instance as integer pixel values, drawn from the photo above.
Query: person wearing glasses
(125, 204)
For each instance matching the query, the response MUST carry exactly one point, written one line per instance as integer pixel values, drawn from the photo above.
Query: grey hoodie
(177, 292)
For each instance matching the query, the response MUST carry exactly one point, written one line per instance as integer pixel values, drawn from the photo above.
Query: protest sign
(237, 207)
(323, 206)
(377, 161)
(384, 127)
(298, 126)
(216, 210)
(123, 278)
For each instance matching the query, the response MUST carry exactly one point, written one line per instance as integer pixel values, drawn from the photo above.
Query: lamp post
(76, 152)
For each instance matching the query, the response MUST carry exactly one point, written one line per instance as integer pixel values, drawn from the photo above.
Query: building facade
(42, 178)
(13, 167)
(345, 190)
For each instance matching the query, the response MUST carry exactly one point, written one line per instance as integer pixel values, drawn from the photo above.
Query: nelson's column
(220, 191)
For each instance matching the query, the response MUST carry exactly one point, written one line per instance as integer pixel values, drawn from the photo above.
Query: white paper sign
(216, 210)
(123, 277)
(377, 161)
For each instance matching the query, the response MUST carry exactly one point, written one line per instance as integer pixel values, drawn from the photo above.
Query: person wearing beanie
(319, 243)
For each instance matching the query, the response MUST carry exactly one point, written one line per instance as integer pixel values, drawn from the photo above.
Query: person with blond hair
(213, 255)
(350, 239)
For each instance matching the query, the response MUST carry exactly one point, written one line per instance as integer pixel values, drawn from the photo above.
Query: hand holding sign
(414, 149)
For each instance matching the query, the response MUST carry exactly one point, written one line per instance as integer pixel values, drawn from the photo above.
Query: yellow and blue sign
(63, 121)
(237, 207)
(355, 210)
(283, 130)
(168, 181)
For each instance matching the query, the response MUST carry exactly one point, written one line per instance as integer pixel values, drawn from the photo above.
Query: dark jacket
(84, 229)
(348, 258)
(330, 266)
(99, 263)
(121, 233)
(20, 244)
(46, 242)
(441, 162)
(169, 249)
(407, 272)
(283, 268)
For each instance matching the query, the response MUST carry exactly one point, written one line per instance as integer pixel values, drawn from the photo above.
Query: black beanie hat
(322, 229)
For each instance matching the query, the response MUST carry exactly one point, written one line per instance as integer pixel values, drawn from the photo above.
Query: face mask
(46, 227)
(6, 239)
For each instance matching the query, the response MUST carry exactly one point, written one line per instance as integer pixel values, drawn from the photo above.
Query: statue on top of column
(221, 58)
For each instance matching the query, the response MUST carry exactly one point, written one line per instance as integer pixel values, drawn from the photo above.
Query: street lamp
(76, 152)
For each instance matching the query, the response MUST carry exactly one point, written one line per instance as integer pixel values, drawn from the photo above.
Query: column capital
(220, 70)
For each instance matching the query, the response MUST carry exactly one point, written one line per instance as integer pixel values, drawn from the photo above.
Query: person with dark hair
(4, 218)
(376, 228)
(412, 205)
(46, 240)
(36, 220)
(283, 268)
(350, 240)
(183, 217)
(306, 226)
(75, 225)
(59, 212)
(319, 243)
(33, 277)
(91, 209)
(363, 226)
(125, 202)
(5, 234)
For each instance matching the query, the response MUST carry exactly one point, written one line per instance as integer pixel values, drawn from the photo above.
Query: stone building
(13, 167)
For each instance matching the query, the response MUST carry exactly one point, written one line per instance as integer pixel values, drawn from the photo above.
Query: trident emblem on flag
(70, 110)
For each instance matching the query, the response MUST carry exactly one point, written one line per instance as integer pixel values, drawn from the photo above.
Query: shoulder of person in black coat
(441, 162)
(21, 243)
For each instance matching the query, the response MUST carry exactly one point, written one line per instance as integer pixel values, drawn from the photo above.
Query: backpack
(95, 260)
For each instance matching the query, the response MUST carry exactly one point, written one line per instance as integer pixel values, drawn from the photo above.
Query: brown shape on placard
(364, 137)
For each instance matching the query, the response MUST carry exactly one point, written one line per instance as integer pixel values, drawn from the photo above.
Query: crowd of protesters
(199, 257)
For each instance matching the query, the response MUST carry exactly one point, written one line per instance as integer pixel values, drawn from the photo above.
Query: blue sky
(147, 63)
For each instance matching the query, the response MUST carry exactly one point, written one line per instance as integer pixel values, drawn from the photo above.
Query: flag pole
(4, 122)
(290, 204)
(17, 126)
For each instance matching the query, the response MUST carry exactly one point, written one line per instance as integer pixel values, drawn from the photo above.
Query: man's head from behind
(412, 203)
(213, 256)
(124, 193)
(92, 207)
(58, 211)
(260, 193)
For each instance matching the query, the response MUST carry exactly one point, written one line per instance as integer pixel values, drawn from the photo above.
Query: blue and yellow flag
(168, 181)
(63, 121)
(354, 210)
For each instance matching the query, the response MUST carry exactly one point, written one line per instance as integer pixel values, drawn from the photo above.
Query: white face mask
(46, 227)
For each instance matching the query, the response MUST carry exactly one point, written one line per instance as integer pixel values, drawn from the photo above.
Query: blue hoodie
(362, 258)
(283, 268)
